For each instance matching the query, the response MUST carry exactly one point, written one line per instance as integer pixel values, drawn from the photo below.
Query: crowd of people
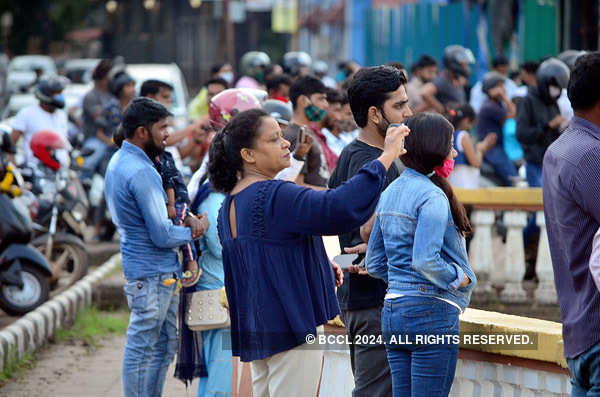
(288, 154)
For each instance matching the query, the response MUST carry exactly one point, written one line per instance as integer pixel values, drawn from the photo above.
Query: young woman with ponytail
(280, 284)
(417, 246)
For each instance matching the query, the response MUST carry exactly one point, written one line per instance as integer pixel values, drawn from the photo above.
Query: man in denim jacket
(136, 200)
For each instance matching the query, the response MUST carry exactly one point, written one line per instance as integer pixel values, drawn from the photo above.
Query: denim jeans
(534, 179)
(151, 336)
(585, 369)
(505, 168)
(420, 369)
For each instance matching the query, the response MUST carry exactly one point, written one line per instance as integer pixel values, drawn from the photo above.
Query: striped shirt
(571, 188)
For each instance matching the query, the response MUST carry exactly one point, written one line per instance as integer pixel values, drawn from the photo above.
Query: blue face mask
(58, 100)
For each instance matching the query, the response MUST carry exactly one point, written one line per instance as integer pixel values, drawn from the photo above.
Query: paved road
(67, 370)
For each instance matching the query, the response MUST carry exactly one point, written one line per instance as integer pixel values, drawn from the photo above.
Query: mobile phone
(345, 260)
(301, 136)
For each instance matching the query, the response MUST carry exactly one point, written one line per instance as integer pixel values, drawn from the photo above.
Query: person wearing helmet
(449, 86)
(500, 66)
(492, 115)
(538, 116)
(297, 63)
(48, 114)
(320, 69)
(569, 57)
(423, 72)
(252, 69)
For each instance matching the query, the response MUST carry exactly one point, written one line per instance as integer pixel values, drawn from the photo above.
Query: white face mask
(554, 91)
(227, 76)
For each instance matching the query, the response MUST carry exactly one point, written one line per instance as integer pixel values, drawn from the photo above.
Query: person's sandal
(191, 277)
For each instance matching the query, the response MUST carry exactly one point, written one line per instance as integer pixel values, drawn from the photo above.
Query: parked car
(80, 70)
(21, 71)
(169, 73)
(17, 102)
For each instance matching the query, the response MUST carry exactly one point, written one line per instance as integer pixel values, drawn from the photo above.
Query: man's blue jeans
(534, 179)
(585, 369)
(151, 336)
(420, 369)
(503, 166)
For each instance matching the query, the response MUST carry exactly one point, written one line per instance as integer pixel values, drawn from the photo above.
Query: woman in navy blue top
(279, 281)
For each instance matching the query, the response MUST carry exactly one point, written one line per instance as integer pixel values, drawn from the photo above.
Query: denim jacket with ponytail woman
(419, 258)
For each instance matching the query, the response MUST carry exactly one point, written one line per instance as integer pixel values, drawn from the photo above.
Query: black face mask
(382, 129)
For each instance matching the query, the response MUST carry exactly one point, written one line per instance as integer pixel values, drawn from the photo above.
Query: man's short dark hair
(530, 66)
(142, 112)
(151, 87)
(371, 87)
(334, 96)
(584, 82)
(275, 80)
(217, 80)
(306, 85)
(426, 61)
(397, 65)
(499, 61)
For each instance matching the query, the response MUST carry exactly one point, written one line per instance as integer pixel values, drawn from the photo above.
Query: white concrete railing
(500, 267)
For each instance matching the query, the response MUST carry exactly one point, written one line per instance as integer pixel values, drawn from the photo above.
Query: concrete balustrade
(503, 270)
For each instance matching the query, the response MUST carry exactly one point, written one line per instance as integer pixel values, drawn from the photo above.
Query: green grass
(13, 367)
(92, 324)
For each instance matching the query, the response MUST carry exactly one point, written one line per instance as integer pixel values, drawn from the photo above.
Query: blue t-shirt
(491, 119)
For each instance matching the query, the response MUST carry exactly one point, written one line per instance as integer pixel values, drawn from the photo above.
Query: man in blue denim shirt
(136, 200)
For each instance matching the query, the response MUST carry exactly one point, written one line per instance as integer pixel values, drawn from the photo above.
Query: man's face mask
(383, 126)
(314, 113)
(554, 91)
(227, 76)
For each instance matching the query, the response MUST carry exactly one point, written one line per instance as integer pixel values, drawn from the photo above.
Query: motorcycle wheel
(35, 291)
(71, 259)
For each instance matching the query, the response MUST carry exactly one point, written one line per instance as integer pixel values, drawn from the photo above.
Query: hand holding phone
(303, 143)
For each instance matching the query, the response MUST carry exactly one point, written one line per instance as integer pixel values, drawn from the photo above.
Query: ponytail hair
(457, 112)
(427, 146)
(225, 163)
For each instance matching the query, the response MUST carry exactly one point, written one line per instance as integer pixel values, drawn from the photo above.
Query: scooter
(23, 271)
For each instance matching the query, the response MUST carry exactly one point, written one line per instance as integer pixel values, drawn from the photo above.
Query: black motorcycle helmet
(280, 111)
(49, 90)
(491, 80)
(552, 72)
(569, 57)
(294, 61)
(456, 58)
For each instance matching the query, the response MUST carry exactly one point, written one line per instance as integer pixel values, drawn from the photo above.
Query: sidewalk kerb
(33, 330)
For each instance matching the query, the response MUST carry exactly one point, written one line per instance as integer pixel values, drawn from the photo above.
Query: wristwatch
(299, 158)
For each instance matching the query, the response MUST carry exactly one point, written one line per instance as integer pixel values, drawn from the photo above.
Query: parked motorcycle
(23, 271)
(63, 206)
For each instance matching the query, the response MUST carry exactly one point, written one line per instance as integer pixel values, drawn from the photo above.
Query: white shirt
(32, 119)
(478, 97)
(335, 143)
